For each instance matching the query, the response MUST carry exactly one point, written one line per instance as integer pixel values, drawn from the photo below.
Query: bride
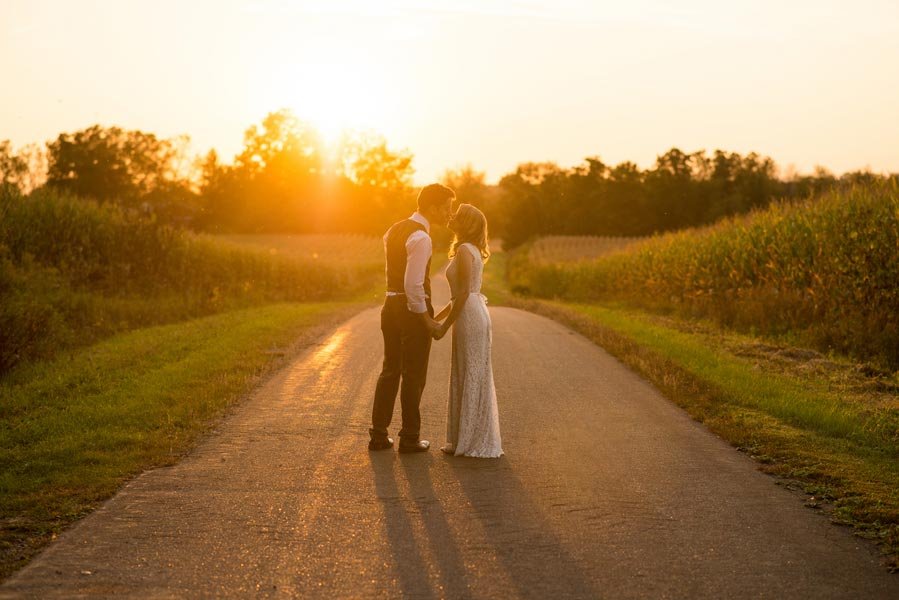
(472, 420)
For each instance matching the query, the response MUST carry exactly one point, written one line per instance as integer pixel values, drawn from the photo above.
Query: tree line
(286, 180)
(681, 190)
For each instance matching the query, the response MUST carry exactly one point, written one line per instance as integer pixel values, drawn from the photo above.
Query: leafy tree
(34, 156)
(13, 167)
(366, 160)
(528, 199)
(376, 180)
(628, 208)
(674, 199)
(113, 164)
(469, 184)
(284, 180)
(271, 182)
(282, 148)
(471, 187)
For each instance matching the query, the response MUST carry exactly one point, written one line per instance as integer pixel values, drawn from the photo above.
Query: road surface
(607, 490)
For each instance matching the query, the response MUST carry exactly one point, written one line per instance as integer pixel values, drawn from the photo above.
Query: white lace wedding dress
(472, 420)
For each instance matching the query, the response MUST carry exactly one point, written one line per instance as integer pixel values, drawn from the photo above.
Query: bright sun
(333, 100)
(333, 95)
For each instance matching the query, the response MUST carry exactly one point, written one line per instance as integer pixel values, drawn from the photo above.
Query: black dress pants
(407, 346)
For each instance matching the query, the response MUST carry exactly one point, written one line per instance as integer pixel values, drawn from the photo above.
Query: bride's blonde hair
(470, 226)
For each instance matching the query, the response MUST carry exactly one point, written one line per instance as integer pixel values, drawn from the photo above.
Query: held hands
(434, 328)
(439, 331)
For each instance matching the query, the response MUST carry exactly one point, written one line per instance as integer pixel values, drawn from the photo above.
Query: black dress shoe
(419, 446)
(385, 444)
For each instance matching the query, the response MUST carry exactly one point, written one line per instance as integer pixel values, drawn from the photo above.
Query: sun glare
(332, 101)
(334, 95)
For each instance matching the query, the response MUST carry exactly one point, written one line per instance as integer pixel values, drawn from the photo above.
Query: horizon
(491, 84)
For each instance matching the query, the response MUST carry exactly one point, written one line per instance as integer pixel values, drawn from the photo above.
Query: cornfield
(824, 270)
(73, 272)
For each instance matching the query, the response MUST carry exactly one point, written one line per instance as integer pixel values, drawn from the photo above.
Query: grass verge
(493, 282)
(74, 429)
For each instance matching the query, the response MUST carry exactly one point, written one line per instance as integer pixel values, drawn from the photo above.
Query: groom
(407, 320)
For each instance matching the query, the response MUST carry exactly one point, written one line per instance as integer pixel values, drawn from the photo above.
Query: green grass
(787, 399)
(74, 428)
(493, 284)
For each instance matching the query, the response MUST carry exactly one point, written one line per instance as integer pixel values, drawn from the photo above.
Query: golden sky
(470, 81)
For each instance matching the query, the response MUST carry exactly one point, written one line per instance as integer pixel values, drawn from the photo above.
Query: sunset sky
(484, 82)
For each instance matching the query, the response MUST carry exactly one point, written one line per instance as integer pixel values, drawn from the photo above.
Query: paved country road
(607, 490)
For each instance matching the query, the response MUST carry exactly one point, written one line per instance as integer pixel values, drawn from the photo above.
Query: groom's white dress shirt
(418, 252)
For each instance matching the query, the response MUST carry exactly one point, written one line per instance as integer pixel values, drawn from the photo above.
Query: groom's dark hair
(434, 195)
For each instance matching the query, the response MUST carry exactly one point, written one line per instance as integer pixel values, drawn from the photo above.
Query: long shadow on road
(460, 527)
(430, 567)
(534, 557)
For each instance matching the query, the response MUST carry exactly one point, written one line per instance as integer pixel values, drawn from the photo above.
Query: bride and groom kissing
(409, 325)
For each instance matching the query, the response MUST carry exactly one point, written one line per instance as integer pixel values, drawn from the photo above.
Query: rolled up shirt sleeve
(418, 252)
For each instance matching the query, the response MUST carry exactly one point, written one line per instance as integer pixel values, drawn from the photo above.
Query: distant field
(340, 250)
(573, 248)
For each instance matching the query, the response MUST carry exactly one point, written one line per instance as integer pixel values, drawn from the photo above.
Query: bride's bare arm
(463, 276)
(443, 311)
